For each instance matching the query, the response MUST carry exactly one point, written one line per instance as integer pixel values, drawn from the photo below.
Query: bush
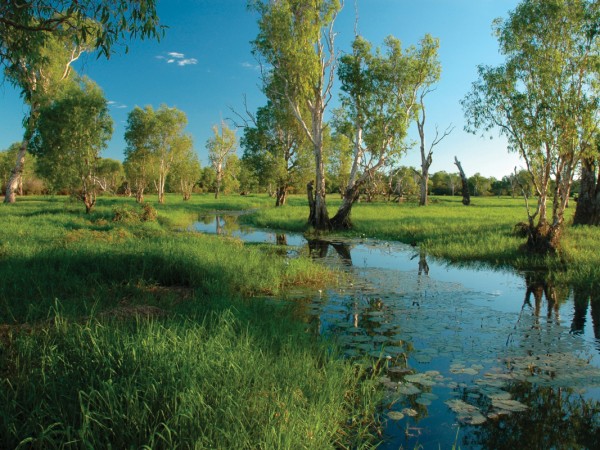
(128, 214)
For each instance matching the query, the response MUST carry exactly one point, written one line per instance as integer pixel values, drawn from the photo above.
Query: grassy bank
(482, 232)
(130, 334)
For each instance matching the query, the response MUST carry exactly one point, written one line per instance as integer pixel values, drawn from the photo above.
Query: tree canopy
(544, 99)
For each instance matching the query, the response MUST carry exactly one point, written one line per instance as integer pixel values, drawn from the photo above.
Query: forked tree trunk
(281, 195)
(465, 184)
(588, 202)
(342, 219)
(89, 200)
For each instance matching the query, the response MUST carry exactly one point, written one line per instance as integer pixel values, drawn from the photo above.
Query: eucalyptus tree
(109, 174)
(296, 40)
(40, 39)
(275, 146)
(380, 96)
(186, 173)
(156, 140)
(71, 133)
(544, 100)
(40, 76)
(220, 147)
(429, 70)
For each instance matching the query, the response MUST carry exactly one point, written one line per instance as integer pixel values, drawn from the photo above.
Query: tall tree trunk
(17, 172)
(424, 186)
(588, 202)
(281, 195)
(465, 184)
(311, 200)
(219, 176)
(318, 216)
(426, 159)
(139, 195)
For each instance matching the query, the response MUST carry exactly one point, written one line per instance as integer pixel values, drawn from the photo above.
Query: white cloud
(115, 104)
(247, 65)
(186, 62)
(177, 58)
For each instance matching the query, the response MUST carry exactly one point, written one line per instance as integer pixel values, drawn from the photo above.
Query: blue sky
(204, 67)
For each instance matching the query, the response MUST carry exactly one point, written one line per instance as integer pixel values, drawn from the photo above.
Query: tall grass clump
(129, 333)
(183, 382)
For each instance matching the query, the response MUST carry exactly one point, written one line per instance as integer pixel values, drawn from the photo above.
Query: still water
(474, 357)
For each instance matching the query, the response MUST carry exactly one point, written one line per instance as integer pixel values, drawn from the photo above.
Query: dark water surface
(476, 358)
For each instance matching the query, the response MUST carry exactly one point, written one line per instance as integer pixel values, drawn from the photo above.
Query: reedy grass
(178, 383)
(208, 366)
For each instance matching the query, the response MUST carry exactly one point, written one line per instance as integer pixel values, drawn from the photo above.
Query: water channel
(475, 357)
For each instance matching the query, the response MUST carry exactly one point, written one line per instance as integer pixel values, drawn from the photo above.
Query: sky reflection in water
(471, 335)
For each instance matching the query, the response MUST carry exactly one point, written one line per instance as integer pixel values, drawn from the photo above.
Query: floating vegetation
(407, 388)
(395, 415)
(466, 412)
(509, 405)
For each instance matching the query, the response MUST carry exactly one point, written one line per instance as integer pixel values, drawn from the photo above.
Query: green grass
(133, 334)
(480, 233)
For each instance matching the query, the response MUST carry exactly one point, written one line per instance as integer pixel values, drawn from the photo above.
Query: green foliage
(71, 133)
(220, 147)
(544, 98)
(24, 27)
(276, 148)
(156, 143)
(130, 214)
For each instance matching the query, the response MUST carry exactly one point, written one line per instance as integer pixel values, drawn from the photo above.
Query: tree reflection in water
(582, 300)
(557, 418)
(539, 287)
(319, 249)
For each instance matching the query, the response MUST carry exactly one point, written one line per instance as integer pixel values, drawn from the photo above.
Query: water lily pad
(420, 378)
(509, 405)
(397, 370)
(422, 358)
(408, 389)
(423, 401)
(410, 412)
(395, 415)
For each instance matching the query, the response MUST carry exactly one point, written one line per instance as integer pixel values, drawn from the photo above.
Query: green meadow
(122, 329)
(138, 334)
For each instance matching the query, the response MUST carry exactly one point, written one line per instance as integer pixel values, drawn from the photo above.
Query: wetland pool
(474, 357)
